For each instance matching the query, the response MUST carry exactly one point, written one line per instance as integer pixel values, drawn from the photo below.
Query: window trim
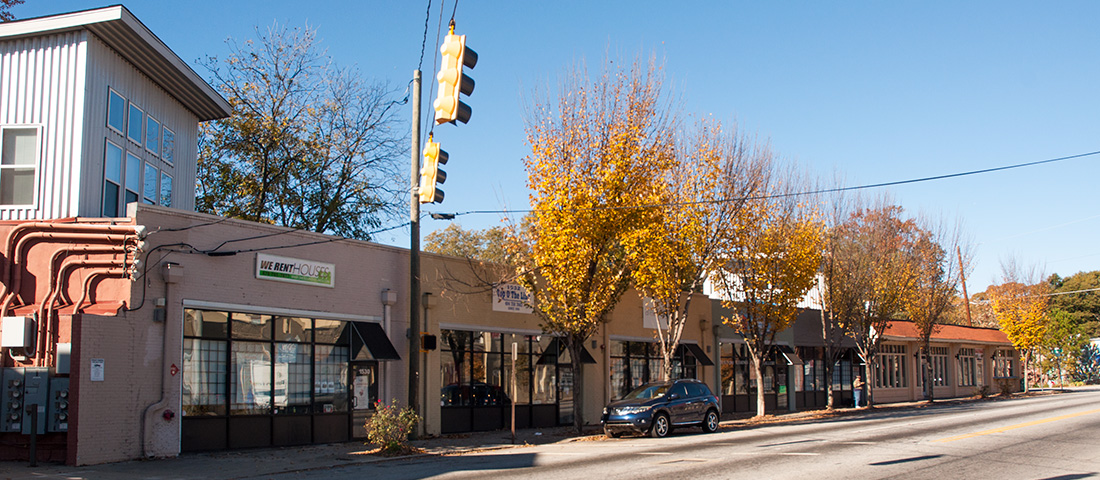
(121, 179)
(125, 112)
(149, 167)
(156, 149)
(160, 191)
(35, 166)
(130, 121)
(169, 159)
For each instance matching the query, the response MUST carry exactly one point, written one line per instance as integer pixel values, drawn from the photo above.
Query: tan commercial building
(135, 327)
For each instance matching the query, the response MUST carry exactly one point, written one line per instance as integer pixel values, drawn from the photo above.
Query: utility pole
(414, 257)
(962, 277)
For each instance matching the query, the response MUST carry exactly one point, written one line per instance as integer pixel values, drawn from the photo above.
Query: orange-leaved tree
(873, 272)
(704, 195)
(597, 151)
(768, 266)
(933, 291)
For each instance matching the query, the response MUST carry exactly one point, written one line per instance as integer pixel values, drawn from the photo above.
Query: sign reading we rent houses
(294, 270)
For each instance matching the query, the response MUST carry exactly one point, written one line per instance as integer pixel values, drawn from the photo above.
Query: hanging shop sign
(509, 297)
(294, 270)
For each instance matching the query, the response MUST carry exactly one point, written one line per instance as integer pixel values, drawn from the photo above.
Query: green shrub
(390, 426)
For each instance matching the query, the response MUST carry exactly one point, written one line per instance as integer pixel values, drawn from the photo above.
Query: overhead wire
(801, 193)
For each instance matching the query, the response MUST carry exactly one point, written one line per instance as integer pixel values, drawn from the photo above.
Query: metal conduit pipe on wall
(60, 226)
(57, 292)
(15, 256)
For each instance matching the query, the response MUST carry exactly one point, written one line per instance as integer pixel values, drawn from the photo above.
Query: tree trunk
(1027, 361)
(829, 368)
(575, 349)
(868, 382)
(756, 365)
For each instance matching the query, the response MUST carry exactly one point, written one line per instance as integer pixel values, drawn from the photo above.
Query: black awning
(370, 336)
(699, 354)
(788, 353)
(552, 352)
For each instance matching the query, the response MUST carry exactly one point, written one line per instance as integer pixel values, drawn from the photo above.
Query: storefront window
(251, 326)
(890, 367)
(292, 377)
(198, 323)
(635, 363)
(330, 383)
(293, 329)
(476, 369)
(253, 364)
(203, 377)
(967, 367)
(250, 383)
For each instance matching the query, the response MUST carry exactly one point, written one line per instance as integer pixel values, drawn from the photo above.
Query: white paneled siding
(40, 85)
(108, 69)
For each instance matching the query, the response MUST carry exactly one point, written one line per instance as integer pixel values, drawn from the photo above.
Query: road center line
(1013, 427)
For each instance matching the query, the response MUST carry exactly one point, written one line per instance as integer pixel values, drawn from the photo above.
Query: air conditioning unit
(17, 332)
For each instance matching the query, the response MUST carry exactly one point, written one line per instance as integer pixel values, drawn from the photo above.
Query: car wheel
(710, 422)
(661, 426)
(611, 434)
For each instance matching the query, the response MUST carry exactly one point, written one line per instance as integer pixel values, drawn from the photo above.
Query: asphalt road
(1049, 437)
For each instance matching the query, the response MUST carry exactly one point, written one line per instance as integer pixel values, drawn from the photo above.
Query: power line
(805, 193)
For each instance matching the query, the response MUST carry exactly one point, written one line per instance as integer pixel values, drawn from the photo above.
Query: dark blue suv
(655, 408)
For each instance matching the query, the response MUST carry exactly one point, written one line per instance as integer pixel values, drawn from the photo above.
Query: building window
(112, 179)
(116, 111)
(132, 179)
(476, 369)
(890, 370)
(168, 146)
(18, 163)
(152, 135)
(149, 188)
(636, 363)
(251, 364)
(939, 363)
(813, 369)
(735, 368)
(1002, 363)
(165, 189)
(133, 130)
(968, 367)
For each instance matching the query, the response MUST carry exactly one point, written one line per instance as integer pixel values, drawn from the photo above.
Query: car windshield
(648, 391)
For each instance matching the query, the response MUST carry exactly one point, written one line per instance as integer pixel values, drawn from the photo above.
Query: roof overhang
(124, 33)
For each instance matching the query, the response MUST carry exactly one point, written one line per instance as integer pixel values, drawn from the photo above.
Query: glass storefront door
(364, 394)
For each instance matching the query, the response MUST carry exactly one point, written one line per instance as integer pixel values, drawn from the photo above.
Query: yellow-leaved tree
(704, 194)
(597, 151)
(1021, 309)
(768, 266)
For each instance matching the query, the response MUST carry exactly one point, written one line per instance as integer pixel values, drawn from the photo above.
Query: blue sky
(873, 91)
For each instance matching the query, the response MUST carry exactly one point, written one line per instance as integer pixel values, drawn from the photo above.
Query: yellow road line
(1013, 427)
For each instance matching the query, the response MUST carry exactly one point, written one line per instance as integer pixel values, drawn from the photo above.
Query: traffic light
(430, 174)
(452, 81)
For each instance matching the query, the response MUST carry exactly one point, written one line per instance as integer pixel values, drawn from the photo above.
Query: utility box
(24, 387)
(57, 412)
(17, 332)
(11, 405)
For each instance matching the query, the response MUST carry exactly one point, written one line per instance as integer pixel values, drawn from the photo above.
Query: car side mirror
(673, 396)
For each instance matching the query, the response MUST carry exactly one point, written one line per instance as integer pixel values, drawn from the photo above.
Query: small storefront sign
(294, 270)
(509, 297)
